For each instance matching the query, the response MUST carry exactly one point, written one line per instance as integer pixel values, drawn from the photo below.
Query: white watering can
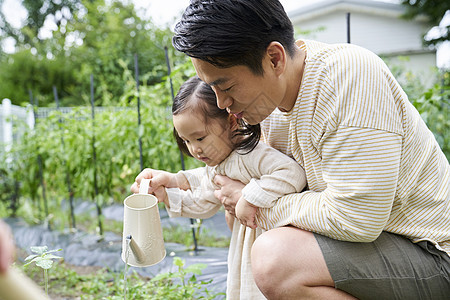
(15, 285)
(143, 243)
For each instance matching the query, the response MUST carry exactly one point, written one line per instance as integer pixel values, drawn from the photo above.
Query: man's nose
(223, 99)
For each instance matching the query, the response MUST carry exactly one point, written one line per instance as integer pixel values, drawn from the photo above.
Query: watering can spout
(137, 252)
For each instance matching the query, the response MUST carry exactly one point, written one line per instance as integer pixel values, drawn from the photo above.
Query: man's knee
(273, 260)
(265, 263)
(264, 255)
(287, 261)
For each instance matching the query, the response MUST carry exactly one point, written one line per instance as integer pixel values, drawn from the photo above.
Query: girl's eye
(200, 139)
(185, 142)
(227, 90)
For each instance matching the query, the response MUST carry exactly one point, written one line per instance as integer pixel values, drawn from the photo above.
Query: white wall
(376, 33)
(421, 65)
(384, 35)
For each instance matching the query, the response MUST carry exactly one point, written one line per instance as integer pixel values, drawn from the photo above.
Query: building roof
(320, 8)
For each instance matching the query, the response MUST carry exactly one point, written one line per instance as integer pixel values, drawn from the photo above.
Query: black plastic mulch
(84, 249)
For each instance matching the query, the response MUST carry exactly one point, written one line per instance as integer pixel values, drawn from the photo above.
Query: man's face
(244, 94)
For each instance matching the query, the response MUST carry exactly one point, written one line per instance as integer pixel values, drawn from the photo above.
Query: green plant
(182, 284)
(434, 108)
(116, 142)
(92, 283)
(7, 183)
(43, 259)
(183, 235)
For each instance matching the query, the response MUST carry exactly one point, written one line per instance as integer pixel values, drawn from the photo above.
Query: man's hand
(229, 193)
(246, 212)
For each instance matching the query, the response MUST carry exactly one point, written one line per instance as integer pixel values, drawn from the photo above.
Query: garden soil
(83, 249)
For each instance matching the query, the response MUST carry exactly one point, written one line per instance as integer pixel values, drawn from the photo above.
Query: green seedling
(183, 283)
(43, 259)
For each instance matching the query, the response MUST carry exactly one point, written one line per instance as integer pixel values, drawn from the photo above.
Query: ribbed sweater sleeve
(361, 169)
(198, 202)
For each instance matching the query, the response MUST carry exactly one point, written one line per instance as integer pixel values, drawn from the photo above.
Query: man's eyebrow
(218, 81)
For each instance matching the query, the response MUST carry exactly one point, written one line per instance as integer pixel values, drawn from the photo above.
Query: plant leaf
(55, 250)
(39, 249)
(195, 268)
(51, 256)
(178, 262)
(44, 263)
(37, 258)
(30, 257)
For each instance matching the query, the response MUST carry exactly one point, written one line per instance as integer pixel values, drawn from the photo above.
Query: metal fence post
(7, 127)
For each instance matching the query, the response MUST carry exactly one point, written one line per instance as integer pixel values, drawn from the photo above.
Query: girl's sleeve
(279, 175)
(198, 202)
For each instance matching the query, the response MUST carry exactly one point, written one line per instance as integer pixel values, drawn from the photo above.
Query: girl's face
(210, 143)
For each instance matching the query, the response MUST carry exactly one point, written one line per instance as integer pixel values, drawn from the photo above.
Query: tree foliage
(39, 11)
(434, 11)
(64, 144)
(62, 42)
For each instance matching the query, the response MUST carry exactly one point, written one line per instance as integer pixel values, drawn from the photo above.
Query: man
(375, 220)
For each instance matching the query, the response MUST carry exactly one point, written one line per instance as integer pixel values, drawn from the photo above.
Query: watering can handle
(143, 187)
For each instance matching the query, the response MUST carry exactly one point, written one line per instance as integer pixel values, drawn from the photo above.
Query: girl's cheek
(191, 152)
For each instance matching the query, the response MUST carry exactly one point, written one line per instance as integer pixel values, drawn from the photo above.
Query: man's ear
(278, 56)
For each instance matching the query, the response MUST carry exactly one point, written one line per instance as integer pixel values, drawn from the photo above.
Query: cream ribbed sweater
(370, 161)
(268, 175)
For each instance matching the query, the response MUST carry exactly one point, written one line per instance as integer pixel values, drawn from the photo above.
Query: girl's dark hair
(247, 135)
(228, 33)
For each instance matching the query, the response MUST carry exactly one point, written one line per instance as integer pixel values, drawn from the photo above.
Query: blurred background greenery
(102, 38)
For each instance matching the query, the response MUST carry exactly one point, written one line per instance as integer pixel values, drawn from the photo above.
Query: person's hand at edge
(7, 248)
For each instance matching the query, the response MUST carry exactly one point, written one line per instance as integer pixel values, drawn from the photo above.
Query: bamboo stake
(69, 185)
(34, 105)
(94, 157)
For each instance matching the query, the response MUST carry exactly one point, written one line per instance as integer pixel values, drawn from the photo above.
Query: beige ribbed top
(370, 161)
(267, 175)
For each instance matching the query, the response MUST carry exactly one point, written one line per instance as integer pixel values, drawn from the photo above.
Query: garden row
(73, 156)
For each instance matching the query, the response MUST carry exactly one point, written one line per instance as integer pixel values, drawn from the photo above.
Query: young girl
(228, 147)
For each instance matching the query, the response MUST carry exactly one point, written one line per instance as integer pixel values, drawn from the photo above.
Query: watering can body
(142, 243)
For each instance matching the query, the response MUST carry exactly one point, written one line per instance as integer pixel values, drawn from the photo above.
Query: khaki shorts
(391, 267)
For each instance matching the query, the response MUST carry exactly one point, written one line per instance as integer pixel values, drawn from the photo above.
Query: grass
(72, 282)
(88, 283)
(183, 235)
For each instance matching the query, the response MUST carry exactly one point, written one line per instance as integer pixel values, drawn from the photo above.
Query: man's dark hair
(228, 33)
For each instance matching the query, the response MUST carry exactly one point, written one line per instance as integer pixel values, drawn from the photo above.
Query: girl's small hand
(158, 179)
(246, 212)
(161, 194)
(145, 174)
